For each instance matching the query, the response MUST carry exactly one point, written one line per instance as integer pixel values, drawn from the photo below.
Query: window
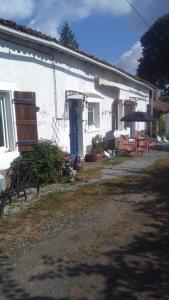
(3, 124)
(90, 114)
(6, 124)
(93, 114)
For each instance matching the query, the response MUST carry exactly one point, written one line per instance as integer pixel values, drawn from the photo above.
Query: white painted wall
(49, 74)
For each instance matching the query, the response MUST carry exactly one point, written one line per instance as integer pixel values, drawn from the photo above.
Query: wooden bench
(16, 184)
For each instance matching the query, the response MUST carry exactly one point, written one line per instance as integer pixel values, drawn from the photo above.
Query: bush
(162, 126)
(45, 162)
(97, 144)
(167, 135)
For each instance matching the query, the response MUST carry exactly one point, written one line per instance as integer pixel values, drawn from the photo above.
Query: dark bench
(16, 185)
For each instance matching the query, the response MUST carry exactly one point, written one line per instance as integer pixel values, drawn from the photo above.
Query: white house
(77, 96)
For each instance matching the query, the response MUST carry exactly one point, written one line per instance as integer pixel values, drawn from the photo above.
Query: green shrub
(105, 144)
(167, 135)
(45, 162)
(97, 140)
(162, 126)
(97, 143)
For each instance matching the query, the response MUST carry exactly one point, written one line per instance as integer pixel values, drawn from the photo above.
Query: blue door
(73, 115)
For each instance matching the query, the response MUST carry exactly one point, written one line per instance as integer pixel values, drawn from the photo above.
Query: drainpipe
(54, 85)
(55, 121)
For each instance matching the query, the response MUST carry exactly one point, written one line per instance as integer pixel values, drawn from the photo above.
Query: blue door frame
(73, 116)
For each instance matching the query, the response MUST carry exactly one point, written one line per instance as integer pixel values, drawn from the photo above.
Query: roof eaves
(39, 35)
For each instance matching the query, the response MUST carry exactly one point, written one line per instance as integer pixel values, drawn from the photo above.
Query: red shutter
(26, 121)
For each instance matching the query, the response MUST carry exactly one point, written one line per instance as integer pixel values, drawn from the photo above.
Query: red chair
(140, 144)
(137, 134)
(127, 147)
(150, 143)
(140, 147)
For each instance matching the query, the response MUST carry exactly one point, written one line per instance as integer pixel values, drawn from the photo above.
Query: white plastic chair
(165, 140)
(159, 139)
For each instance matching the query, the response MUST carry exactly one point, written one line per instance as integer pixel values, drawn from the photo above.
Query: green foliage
(161, 126)
(155, 57)
(98, 139)
(142, 133)
(164, 98)
(45, 162)
(67, 37)
(99, 144)
(167, 135)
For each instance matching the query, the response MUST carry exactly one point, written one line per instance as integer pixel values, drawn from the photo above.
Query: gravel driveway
(116, 250)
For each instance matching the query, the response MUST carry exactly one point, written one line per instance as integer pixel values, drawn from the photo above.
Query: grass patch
(159, 176)
(158, 166)
(20, 230)
(93, 172)
(118, 159)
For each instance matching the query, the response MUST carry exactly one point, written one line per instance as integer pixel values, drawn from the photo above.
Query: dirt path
(117, 250)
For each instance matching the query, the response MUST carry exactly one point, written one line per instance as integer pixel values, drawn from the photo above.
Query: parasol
(137, 116)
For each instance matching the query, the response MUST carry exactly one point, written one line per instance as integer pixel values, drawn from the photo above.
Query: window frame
(94, 110)
(4, 122)
(7, 121)
(91, 107)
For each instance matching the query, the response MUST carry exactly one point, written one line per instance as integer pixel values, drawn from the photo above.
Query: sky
(109, 29)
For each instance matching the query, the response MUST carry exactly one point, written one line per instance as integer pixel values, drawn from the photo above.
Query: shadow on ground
(137, 270)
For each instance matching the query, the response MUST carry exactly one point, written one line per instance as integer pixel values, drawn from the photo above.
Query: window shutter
(26, 121)
(115, 115)
(127, 106)
(127, 109)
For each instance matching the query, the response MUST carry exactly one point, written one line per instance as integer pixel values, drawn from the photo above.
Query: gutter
(61, 48)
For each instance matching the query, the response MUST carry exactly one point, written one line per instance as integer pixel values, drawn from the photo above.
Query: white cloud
(129, 60)
(18, 9)
(119, 7)
(51, 13)
(47, 15)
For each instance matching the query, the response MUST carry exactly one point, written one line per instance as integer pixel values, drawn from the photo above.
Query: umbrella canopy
(137, 116)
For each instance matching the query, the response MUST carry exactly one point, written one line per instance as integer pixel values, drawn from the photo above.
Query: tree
(154, 63)
(67, 37)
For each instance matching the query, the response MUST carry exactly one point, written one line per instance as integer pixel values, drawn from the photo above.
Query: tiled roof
(38, 34)
(161, 106)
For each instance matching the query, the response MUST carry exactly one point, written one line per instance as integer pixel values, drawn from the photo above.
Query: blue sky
(108, 29)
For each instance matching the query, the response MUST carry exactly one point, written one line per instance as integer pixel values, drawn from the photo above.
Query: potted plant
(97, 149)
